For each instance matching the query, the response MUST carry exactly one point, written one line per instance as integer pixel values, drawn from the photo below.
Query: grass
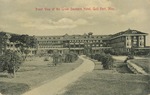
(121, 67)
(32, 74)
(109, 82)
(144, 63)
(9, 88)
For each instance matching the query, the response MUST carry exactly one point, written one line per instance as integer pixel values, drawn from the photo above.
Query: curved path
(53, 87)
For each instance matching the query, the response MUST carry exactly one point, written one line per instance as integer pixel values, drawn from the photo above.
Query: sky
(58, 17)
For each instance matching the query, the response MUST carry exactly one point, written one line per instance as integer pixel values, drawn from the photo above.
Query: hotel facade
(122, 41)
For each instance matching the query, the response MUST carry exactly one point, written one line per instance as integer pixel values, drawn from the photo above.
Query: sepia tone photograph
(74, 47)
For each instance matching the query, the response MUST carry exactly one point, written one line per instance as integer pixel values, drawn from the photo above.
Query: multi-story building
(124, 41)
(127, 40)
(75, 43)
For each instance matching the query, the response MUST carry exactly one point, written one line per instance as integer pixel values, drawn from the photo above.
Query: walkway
(53, 87)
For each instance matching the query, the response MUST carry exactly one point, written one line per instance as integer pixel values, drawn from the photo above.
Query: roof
(73, 37)
(128, 32)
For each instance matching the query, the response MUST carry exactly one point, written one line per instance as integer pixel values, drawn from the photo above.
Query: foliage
(116, 52)
(142, 52)
(70, 57)
(46, 59)
(56, 57)
(3, 40)
(88, 50)
(67, 57)
(27, 51)
(9, 60)
(24, 42)
(50, 51)
(106, 59)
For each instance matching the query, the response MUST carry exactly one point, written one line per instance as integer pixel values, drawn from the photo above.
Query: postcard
(74, 47)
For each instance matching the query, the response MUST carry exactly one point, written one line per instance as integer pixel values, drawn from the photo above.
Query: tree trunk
(14, 71)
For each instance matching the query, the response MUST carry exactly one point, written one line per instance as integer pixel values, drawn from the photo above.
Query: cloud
(43, 24)
(26, 21)
(148, 1)
(89, 4)
(135, 16)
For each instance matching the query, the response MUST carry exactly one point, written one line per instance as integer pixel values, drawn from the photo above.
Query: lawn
(109, 82)
(144, 63)
(32, 74)
(121, 67)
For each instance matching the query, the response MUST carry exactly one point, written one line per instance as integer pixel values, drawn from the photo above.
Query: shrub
(56, 57)
(46, 59)
(106, 59)
(10, 61)
(70, 57)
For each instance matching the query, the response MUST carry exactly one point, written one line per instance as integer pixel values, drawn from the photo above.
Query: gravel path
(53, 87)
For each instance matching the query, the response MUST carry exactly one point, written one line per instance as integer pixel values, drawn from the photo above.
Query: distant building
(74, 43)
(80, 44)
(124, 41)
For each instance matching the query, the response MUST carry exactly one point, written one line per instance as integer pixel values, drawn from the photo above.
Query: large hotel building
(122, 41)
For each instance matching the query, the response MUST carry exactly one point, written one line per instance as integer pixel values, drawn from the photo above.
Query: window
(134, 32)
(134, 37)
(140, 43)
(127, 44)
(127, 38)
(134, 42)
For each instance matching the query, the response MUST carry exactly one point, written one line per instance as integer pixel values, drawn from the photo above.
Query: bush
(99, 57)
(106, 59)
(46, 59)
(116, 52)
(10, 61)
(142, 52)
(56, 57)
(66, 57)
(70, 57)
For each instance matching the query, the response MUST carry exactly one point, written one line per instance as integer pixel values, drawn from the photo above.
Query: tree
(24, 42)
(26, 52)
(10, 61)
(70, 57)
(55, 57)
(3, 42)
(88, 49)
(107, 61)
